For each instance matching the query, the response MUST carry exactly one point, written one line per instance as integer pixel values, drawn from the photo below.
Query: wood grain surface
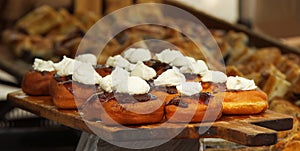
(250, 130)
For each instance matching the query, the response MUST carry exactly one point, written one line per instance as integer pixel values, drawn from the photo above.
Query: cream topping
(181, 61)
(240, 83)
(195, 67)
(42, 65)
(167, 55)
(119, 76)
(143, 71)
(117, 61)
(189, 88)
(133, 85)
(87, 58)
(65, 67)
(106, 83)
(130, 67)
(137, 54)
(86, 74)
(171, 77)
(214, 76)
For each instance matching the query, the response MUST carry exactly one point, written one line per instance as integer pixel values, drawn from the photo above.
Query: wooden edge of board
(244, 133)
(239, 130)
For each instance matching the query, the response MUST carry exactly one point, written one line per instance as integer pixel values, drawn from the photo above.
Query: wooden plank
(237, 129)
(244, 133)
(269, 119)
(43, 106)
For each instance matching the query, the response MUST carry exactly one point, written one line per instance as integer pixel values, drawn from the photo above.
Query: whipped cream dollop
(120, 81)
(106, 83)
(117, 61)
(214, 76)
(115, 80)
(65, 67)
(167, 55)
(143, 71)
(195, 67)
(240, 83)
(137, 54)
(42, 65)
(119, 75)
(133, 85)
(182, 61)
(189, 88)
(171, 77)
(87, 58)
(86, 74)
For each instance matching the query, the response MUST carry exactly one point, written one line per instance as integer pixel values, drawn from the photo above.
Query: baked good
(243, 97)
(201, 107)
(40, 20)
(68, 94)
(184, 100)
(245, 102)
(36, 83)
(75, 81)
(37, 80)
(127, 100)
(129, 110)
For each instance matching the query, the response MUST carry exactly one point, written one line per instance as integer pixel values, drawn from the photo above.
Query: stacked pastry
(47, 33)
(140, 87)
(275, 73)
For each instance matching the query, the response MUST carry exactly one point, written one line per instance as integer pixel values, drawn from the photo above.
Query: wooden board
(251, 130)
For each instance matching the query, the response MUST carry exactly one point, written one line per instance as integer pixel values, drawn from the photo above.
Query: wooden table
(250, 130)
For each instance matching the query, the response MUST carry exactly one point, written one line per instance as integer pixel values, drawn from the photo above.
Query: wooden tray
(250, 130)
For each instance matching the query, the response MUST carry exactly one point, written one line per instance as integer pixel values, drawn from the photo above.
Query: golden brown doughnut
(194, 108)
(36, 83)
(114, 112)
(64, 93)
(245, 102)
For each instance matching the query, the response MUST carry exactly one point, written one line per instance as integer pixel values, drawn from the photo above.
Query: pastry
(243, 97)
(128, 110)
(37, 81)
(201, 107)
(127, 100)
(69, 94)
(74, 82)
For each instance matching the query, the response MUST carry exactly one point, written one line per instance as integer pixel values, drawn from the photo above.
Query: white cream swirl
(87, 58)
(106, 83)
(65, 67)
(171, 77)
(195, 67)
(119, 76)
(182, 61)
(133, 85)
(137, 54)
(214, 76)
(189, 88)
(240, 83)
(167, 55)
(114, 81)
(42, 65)
(117, 61)
(86, 74)
(143, 71)
(120, 81)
